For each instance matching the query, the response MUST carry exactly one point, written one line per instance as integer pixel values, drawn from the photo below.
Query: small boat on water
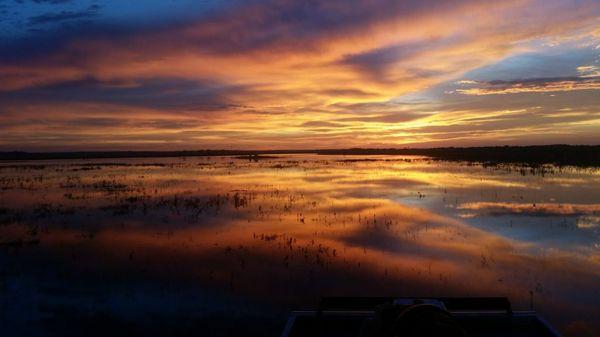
(412, 317)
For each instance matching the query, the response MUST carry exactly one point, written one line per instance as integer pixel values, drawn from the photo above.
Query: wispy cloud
(532, 85)
(545, 209)
(589, 71)
(63, 16)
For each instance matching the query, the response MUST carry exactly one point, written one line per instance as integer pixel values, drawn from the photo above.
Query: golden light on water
(297, 227)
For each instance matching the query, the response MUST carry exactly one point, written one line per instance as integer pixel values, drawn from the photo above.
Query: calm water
(217, 245)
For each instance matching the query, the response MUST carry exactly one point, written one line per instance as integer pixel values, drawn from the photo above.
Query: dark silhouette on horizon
(572, 155)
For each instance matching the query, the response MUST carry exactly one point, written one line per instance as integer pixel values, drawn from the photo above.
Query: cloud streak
(61, 16)
(533, 85)
(540, 209)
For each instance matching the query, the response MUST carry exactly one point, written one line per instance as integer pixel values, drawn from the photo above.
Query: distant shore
(572, 155)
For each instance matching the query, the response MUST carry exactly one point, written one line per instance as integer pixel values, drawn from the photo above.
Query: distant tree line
(575, 155)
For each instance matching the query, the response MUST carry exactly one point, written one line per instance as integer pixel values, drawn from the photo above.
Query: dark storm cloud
(253, 25)
(49, 41)
(61, 16)
(291, 24)
(376, 63)
(151, 93)
(52, 2)
(109, 123)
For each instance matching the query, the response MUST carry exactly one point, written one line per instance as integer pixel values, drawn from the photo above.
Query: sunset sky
(189, 74)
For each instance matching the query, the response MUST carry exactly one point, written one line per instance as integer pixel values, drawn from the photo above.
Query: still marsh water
(217, 245)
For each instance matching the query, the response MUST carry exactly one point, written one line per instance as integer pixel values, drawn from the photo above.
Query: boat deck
(485, 317)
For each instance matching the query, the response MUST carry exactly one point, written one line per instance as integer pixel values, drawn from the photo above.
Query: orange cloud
(259, 75)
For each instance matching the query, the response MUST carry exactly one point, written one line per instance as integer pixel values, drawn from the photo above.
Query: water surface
(221, 245)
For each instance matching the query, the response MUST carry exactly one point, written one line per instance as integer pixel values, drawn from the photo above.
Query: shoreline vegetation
(560, 155)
